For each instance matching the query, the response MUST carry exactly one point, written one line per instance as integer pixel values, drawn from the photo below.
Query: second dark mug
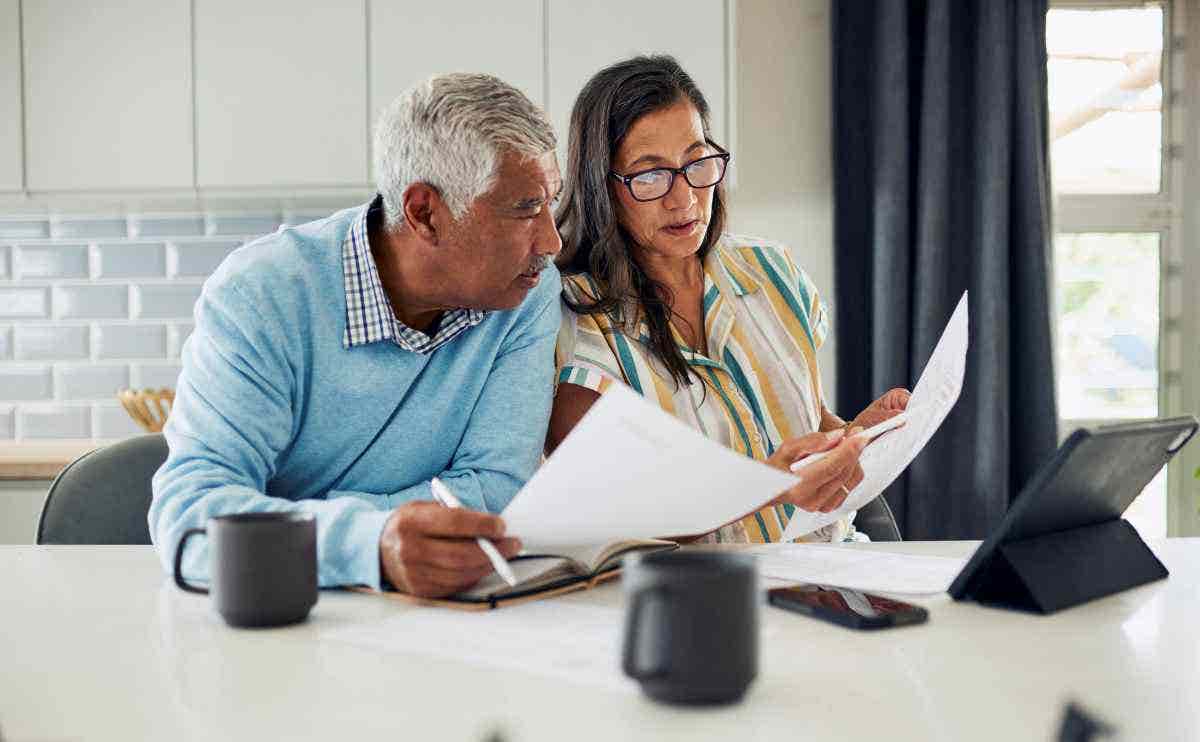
(691, 625)
(262, 567)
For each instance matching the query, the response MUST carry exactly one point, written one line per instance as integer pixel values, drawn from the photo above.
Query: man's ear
(421, 204)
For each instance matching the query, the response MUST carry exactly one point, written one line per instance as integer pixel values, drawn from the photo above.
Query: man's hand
(892, 403)
(824, 484)
(429, 550)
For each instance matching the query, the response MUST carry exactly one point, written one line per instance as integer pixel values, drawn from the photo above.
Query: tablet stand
(1052, 571)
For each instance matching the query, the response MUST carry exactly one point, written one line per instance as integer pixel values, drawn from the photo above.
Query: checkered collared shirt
(369, 315)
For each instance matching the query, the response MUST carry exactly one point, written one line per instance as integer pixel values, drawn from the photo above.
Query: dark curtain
(942, 185)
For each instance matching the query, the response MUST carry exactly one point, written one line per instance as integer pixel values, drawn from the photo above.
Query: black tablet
(1091, 480)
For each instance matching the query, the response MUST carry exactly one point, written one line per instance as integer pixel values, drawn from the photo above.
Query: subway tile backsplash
(46, 261)
(52, 342)
(131, 260)
(20, 302)
(93, 303)
(89, 301)
(74, 421)
(165, 301)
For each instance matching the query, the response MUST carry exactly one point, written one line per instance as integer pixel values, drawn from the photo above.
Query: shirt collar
(718, 264)
(725, 261)
(369, 315)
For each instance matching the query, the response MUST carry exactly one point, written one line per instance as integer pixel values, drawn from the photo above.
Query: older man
(338, 366)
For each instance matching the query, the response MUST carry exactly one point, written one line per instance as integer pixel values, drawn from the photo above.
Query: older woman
(720, 331)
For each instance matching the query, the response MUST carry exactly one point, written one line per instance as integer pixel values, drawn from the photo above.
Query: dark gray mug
(262, 567)
(691, 625)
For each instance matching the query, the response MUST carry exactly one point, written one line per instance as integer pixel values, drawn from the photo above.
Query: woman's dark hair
(593, 240)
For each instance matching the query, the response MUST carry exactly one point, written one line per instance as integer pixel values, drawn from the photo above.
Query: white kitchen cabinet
(281, 93)
(586, 36)
(108, 94)
(504, 39)
(11, 145)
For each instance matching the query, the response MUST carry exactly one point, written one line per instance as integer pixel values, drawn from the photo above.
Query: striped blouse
(764, 322)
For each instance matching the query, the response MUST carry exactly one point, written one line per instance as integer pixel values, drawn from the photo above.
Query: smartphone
(852, 608)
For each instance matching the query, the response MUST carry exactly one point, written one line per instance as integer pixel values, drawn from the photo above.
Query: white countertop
(98, 644)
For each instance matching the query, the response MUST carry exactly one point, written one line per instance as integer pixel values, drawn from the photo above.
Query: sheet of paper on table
(558, 640)
(889, 455)
(868, 570)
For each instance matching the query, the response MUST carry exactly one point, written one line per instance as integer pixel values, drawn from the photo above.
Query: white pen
(442, 494)
(870, 433)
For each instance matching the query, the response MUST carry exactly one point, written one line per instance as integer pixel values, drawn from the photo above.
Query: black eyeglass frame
(723, 155)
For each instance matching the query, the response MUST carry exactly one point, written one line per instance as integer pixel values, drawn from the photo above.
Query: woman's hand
(826, 484)
(892, 403)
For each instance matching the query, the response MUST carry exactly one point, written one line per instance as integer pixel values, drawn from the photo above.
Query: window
(1117, 181)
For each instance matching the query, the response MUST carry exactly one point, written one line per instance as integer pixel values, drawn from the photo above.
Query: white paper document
(858, 569)
(889, 455)
(629, 470)
(557, 640)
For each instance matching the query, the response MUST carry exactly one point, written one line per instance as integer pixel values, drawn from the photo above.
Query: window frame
(1179, 234)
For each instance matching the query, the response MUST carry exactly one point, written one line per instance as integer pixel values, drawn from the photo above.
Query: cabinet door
(281, 93)
(108, 94)
(586, 36)
(500, 38)
(11, 145)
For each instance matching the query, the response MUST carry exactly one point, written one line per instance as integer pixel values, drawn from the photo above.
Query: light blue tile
(91, 302)
(155, 301)
(24, 302)
(156, 375)
(201, 258)
(55, 422)
(132, 260)
(92, 229)
(131, 341)
(179, 335)
(243, 224)
(25, 383)
(24, 229)
(49, 343)
(101, 382)
(112, 421)
(51, 261)
(181, 226)
(7, 422)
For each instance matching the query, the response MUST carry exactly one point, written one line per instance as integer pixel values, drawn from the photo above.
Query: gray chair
(103, 496)
(876, 520)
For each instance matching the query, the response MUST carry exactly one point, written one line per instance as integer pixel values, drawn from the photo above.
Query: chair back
(876, 520)
(103, 496)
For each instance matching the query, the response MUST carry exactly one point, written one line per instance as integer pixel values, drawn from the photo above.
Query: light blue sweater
(271, 411)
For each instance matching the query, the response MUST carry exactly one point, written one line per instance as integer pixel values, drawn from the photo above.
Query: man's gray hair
(449, 132)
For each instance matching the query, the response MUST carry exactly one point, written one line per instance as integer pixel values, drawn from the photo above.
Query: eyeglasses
(648, 185)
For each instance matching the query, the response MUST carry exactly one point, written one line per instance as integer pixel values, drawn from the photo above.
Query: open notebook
(543, 575)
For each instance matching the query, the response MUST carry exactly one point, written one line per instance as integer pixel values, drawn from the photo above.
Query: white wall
(784, 137)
